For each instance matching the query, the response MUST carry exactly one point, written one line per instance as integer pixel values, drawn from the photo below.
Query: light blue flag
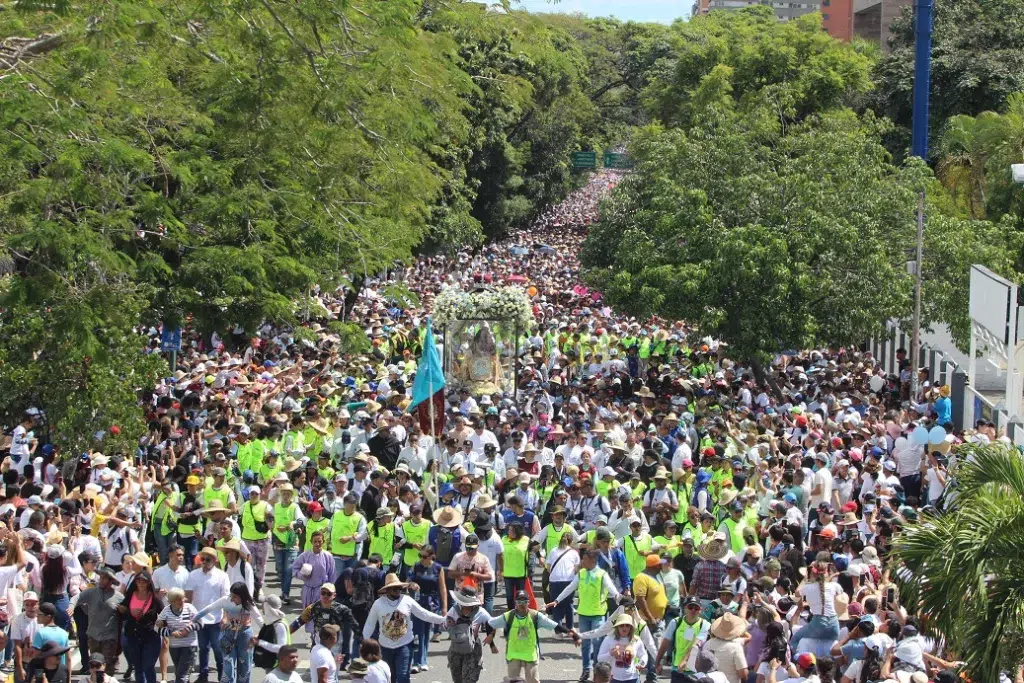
(429, 375)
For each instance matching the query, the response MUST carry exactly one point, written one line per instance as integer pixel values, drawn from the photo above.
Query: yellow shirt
(649, 588)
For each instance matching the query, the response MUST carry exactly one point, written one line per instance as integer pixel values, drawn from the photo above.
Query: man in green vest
(256, 518)
(412, 537)
(189, 521)
(595, 588)
(636, 546)
(683, 637)
(316, 522)
(520, 627)
(163, 509)
(381, 535)
(733, 527)
(285, 538)
(348, 531)
(219, 491)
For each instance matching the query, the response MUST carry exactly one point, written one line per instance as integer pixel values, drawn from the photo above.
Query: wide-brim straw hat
(715, 548)
(485, 501)
(466, 597)
(392, 581)
(448, 516)
(233, 544)
(728, 627)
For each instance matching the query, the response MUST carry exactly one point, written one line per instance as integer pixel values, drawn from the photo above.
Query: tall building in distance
(842, 19)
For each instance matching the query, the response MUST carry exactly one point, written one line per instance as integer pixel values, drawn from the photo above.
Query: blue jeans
(590, 647)
(209, 637)
(238, 662)
(818, 628)
(420, 641)
(283, 558)
(61, 602)
(562, 613)
(142, 651)
(190, 546)
(341, 564)
(399, 660)
(163, 544)
(489, 589)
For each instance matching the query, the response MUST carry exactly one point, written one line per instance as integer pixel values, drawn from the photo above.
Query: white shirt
(812, 593)
(207, 587)
(322, 658)
(822, 478)
(276, 676)
(562, 568)
(481, 439)
(120, 540)
(23, 628)
(165, 578)
(394, 617)
(378, 672)
(491, 548)
(241, 571)
(624, 671)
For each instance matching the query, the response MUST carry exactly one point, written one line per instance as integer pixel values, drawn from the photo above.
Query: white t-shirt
(276, 676)
(812, 592)
(165, 578)
(322, 658)
(491, 548)
(822, 478)
(120, 540)
(378, 672)
(23, 627)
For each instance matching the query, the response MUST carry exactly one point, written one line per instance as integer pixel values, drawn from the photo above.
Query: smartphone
(890, 595)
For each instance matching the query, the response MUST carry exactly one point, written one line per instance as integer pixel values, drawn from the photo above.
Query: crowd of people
(666, 507)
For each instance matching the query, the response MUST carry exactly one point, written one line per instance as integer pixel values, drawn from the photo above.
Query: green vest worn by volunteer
(544, 493)
(554, 537)
(382, 541)
(593, 593)
(603, 487)
(187, 524)
(696, 533)
(638, 492)
(645, 348)
(252, 514)
(685, 638)
(221, 495)
(415, 534)
(636, 551)
(514, 554)
(735, 528)
(344, 525)
(312, 526)
(162, 512)
(521, 637)
(243, 454)
(666, 545)
(284, 515)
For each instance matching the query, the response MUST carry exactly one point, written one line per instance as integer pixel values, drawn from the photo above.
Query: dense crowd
(670, 509)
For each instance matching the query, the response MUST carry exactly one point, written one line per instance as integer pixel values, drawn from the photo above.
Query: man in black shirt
(373, 496)
(384, 446)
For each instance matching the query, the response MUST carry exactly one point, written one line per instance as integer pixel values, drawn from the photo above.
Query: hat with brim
(448, 516)
(214, 506)
(358, 667)
(49, 649)
(104, 571)
(623, 620)
(233, 544)
(728, 496)
(485, 501)
(141, 559)
(662, 473)
(728, 627)
(466, 597)
(715, 548)
(392, 581)
(291, 464)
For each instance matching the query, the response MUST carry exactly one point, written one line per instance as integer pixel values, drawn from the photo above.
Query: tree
(961, 570)
(965, 79)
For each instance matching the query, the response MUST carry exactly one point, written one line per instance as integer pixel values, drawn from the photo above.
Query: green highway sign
(617, 160)
(584, 160)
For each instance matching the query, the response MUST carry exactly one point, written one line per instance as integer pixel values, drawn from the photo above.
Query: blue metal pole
(922, 75)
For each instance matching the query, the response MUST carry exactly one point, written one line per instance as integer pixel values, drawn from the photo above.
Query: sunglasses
(326, 593)
(95, 665)
(693, 607)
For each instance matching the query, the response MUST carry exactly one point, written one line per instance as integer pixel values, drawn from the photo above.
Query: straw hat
(291, 464)
(142, 559)
(661, 473)
(728, 496)
(233, 544)
(714, 548)
(485, 501)
(728, 627)
(392, 581)
(214, 506)
(466, 597)
(448, 516)
(646, 392)
(623, 619)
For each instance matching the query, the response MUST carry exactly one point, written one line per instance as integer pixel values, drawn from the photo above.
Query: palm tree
(962, 570)
(1004, 136)
(964, 150)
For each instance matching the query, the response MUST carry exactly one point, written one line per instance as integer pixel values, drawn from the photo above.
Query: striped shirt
(180, 622)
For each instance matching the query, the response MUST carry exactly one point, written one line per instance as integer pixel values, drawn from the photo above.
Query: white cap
(607, 472)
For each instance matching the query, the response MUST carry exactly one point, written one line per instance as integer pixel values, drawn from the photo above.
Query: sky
(663, 11)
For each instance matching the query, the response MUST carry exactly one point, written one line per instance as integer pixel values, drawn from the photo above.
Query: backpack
(509, 616)
(445, 546)
(265, 659)
(461, 635)
(362, 591)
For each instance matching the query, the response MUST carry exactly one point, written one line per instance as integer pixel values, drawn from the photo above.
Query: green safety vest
(544, 493)
(521, 638)
(683, 495)
(686, 637)
(414, 534)
(696, 533)
(312, 526)
(664, 542)
(382, 541)
(603, 487)
(554, 536)
(645, 348)
(284, 515)
(251, 515)
(344, 525)
(515, 556)
(243, 454)
(593, 593)
(188, 529)
(210, 494)
(638, 492)
(170, 500)
(311, 438)
(637, 551)
(736, 534)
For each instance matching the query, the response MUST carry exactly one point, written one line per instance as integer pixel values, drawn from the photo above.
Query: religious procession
(514, 468)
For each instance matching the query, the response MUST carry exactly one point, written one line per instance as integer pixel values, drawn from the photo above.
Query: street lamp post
(919, 148)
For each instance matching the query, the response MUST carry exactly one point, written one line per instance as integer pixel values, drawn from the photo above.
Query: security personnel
(382, 536)
(219, 491)
(284, 538)
(257, 516)
(520, 627)
(637, 545)
(549, 537)
(348, 530)
(683, 636)
(189, 522)
(316, 522)
(594, 587)
(163, 510)
(733, 525)
(513, 561)
(413, 537)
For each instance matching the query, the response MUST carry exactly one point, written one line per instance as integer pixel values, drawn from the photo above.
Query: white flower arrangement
(510, 304)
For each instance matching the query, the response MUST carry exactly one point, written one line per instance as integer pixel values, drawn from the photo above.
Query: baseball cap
(472, 541)
(805, 660)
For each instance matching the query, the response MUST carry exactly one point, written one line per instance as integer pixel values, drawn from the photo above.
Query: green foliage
(353, 339)
(961, 569)
(977, 64)
(795, 67)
